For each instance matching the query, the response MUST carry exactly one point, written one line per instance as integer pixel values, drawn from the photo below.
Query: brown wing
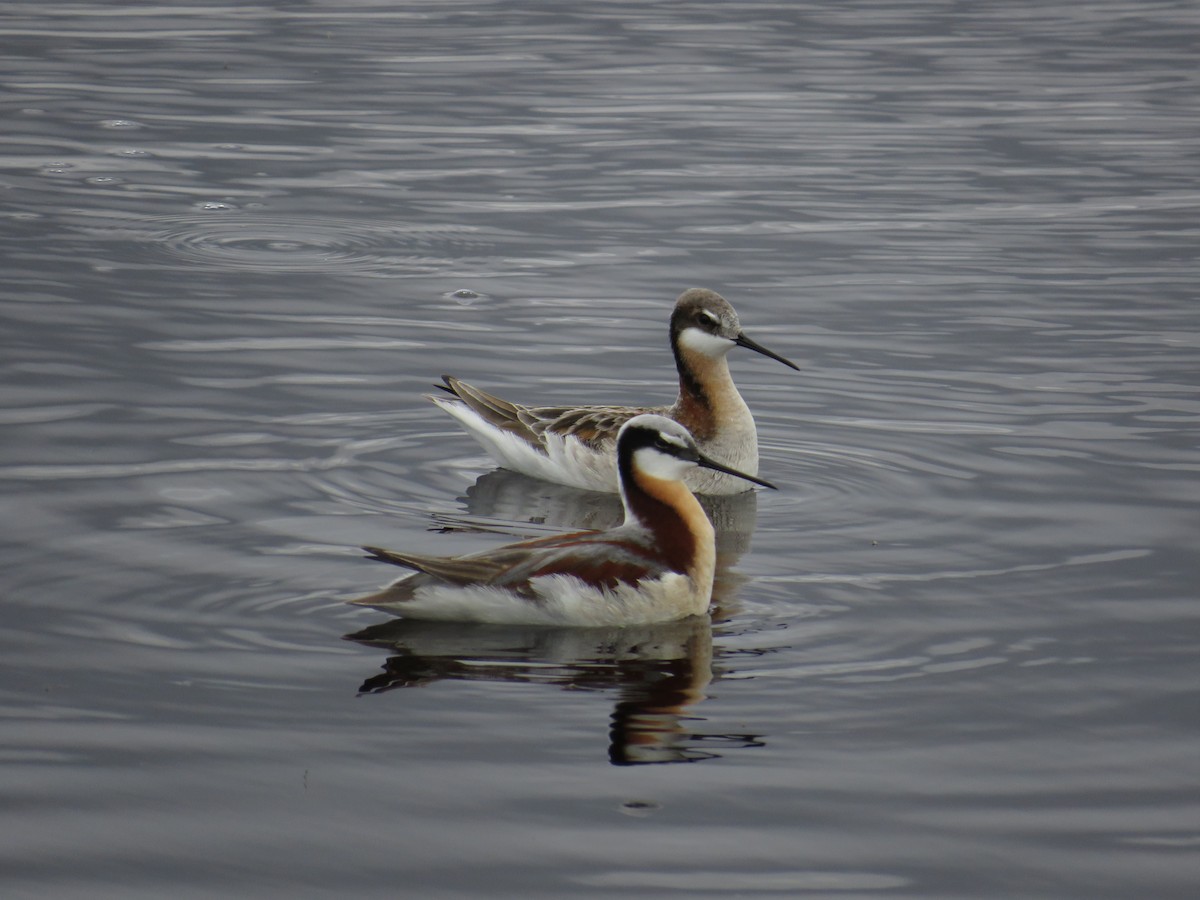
(601, 559)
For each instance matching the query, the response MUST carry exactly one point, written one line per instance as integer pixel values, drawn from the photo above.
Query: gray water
(955, 655)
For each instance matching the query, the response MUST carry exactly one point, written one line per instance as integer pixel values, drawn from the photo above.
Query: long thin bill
(742, 341)
(702, 460)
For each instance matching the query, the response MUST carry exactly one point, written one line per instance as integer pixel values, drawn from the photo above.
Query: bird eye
(704, 317)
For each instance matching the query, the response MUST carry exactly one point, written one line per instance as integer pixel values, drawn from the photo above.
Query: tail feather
(451, 569)
(491, 407)
(499, 413)
(388, 556)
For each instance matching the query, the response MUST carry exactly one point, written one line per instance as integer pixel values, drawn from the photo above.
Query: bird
(656, 566)
(573, 445)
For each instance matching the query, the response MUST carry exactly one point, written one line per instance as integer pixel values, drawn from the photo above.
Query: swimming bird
(573, 445)
(656, 566)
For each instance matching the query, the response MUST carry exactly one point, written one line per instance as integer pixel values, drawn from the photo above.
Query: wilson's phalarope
(656, 566)
(574, 445)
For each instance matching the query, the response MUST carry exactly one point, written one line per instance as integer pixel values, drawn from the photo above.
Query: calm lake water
(956, 655)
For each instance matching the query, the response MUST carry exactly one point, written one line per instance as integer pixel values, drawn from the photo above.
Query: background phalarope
(574, 445)
(656, 566)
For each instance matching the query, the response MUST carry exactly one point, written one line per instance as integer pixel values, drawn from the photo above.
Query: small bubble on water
(215, 205)
(134, 153)
(465, 296)
(119, 123)
(639, 808)
(103, 180)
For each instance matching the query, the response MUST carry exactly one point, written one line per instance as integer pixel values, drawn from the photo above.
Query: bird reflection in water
(659, 672)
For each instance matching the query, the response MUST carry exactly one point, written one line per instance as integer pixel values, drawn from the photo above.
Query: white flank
(561, 600)
(563, 460)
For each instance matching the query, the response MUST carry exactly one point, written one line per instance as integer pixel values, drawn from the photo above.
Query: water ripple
(262, 243)
(236, 345)
(877, 579)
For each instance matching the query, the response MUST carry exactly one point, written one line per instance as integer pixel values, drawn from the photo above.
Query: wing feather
(594, 426)
(596, 558)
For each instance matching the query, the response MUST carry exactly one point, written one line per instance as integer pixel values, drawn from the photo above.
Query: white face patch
(702, 342)
(658, 465)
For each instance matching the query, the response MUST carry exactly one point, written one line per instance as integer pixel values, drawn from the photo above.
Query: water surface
(955, 655)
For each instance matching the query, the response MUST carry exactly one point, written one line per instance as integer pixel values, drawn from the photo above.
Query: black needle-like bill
(742, 341)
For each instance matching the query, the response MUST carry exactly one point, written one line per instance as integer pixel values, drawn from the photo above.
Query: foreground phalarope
(656, 566)
(574, 445)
